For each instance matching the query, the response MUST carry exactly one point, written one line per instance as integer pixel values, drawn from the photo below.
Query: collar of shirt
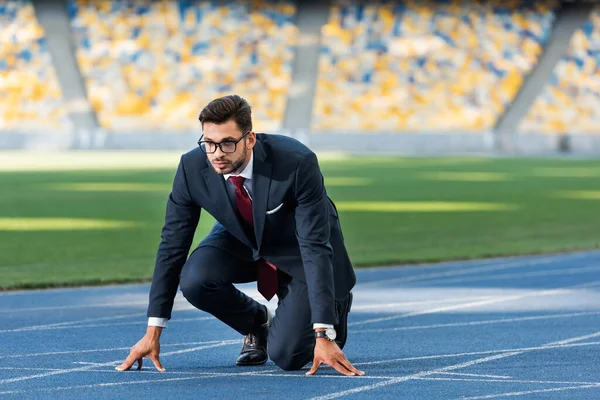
(246, 172)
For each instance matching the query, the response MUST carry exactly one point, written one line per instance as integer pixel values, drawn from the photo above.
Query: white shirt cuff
(315, 326)
(162, 322)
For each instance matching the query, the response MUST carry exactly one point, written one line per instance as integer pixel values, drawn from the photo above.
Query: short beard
(235, 166)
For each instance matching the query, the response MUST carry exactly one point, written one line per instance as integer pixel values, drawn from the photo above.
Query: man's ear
(251, 140)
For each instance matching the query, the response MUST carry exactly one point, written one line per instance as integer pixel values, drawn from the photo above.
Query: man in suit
(275, 225)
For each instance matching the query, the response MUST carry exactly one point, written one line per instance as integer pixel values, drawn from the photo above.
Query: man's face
(227, 163)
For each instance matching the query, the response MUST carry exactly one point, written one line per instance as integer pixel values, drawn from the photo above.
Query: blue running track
(518, 327)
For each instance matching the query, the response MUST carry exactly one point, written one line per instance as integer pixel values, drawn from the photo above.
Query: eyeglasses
(226, 146)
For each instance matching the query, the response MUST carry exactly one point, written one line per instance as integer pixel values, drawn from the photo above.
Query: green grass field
(67, 223)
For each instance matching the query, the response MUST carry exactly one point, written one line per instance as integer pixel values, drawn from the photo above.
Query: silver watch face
(330, 333)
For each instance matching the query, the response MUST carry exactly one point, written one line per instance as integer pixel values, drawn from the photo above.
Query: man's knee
(290, 357)
(196, 291)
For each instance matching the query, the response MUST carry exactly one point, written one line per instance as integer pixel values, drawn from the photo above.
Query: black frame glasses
(205, 143)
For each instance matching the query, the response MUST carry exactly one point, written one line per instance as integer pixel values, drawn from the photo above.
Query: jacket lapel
(218, 192)
(260, 190)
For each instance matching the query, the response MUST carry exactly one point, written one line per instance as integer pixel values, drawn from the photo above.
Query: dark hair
(225, 108)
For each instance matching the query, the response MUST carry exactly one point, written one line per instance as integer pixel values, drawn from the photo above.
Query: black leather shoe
(254, 349)
(342, 309)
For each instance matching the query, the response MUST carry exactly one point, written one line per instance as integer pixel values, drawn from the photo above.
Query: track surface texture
(515, 327)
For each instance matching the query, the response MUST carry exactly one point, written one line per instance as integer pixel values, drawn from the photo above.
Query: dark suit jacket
(302, 238)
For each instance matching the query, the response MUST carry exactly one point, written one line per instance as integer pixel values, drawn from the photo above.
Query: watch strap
(321, 334)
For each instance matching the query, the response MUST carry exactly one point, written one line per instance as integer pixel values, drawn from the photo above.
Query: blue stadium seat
(570, 102)
(152, 65)
(30, 99)
(425, 65)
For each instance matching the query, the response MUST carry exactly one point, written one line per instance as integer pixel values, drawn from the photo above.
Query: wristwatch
(328, 334)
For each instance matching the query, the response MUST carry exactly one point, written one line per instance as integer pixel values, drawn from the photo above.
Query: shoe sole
(251, 363)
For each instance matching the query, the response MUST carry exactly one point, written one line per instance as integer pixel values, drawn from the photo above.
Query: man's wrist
(154, 321)
(154, 332)
(328, 334)
(324, 332)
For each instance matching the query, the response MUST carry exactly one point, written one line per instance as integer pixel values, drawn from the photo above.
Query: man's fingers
(127, 363)
(357, 372)
(342, 368)
(348, 365)
(314, 367)
(344, 363)
(139, 361)
(157, 364)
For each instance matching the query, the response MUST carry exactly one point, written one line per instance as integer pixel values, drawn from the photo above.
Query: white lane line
(482, 322)
(465, 271)
(380, 306)
(553, 272)
(328, 376)
(53, 353)
(152, 371)
(88, 363)
(477, 353)
(62, 325)
(75, 306)
(180, 305)
(73, 324)
(280, 374)
(499, 299)
(355, 307)
(429, 378)
(453, 307)
(111, 384)
(210, 346)
(30, 369)
(577, 339)
(477, 375)
(412, 376)
(132, 323)
(513, 394)
(114, 363)
(443, 369)
(148, 371)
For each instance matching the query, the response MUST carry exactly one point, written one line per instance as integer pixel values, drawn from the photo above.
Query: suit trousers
(207, 282)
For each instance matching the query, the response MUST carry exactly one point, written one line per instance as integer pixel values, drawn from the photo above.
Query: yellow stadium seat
(30, 99)
(160, 61)
(429, 59)
(570, 101)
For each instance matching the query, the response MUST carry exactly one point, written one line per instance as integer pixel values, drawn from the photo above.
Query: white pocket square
(273, 211)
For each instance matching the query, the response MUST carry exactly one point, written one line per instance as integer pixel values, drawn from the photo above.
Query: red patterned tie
(267, 272)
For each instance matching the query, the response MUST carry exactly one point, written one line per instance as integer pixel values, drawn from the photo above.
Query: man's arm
(313, 234)
(181, 220)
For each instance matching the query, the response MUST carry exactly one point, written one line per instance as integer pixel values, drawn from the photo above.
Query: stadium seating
(426, 65)
(30, 96)
(570, 103)
(152, 65)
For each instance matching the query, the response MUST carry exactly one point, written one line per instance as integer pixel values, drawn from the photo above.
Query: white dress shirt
(247, 174)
